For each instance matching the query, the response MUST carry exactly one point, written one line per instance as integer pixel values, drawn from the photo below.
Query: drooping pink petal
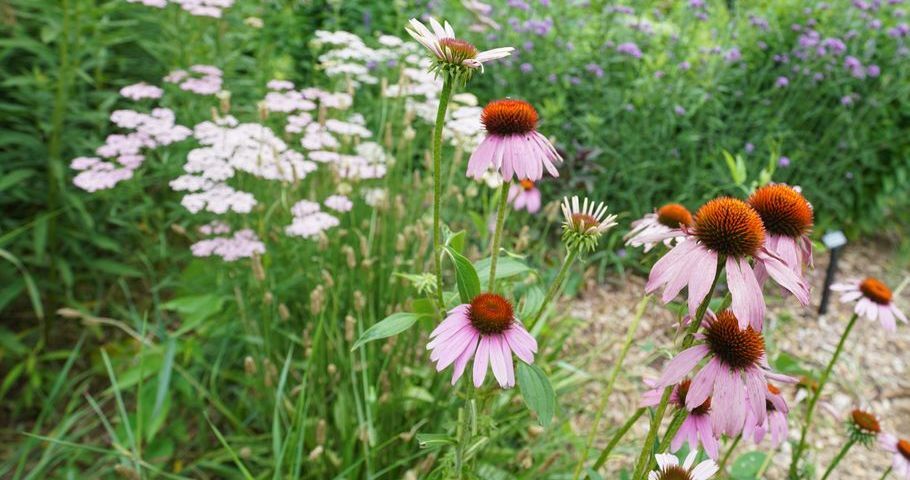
(481, 360)
(727, 404)
(756, 386)
(682, 364)
(785, 277)
(482, 158)
(706, 435)
(703, 384)
(886, 318)
(462, 361)
(510, 368)
(497, 362)
(748, 302)
(533, 201)
(517, 344)
(703, 271)
(668, 265)
(448, 352)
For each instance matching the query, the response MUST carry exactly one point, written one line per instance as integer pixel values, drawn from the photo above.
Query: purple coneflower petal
(682, 364)
(462, 361)
(703, 384)
(756, 386)
(748, 301)
(497, 360)
(481, 360)
(785, 276)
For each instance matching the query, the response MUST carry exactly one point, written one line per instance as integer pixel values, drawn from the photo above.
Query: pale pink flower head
(737, 370)
(697, 428)
(453, 56)
(524, 195)
(664, 225)
(512, 144)
(788, 218)
(668, 468)
(900, 447)
(874, 301)
(775, 421)
(487, 330)
(725, 229)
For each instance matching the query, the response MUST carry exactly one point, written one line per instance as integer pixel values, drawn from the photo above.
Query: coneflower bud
(331, 369)
(263, 110)
(584, 223)
(178, 229)
(245, 453)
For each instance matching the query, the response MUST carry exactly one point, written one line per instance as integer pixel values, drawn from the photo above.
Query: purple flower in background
(873, 71)
(782, 82)
(679, 110)
(545, 3)
(860, 4)
(552, 78)
(684, 66)
(539, 27)
(733, 55)
(701, 16)
(749, 148)
(855, 67)
(519, 4)
(818, 77)
(846, 100)
(595, 69)
(574, 80)
(526, 68)
(783, 161)
(629, 48)
(899, 31)
(762, 45)
(659, 74)
(875, 24)
(758, 22)
(697, 4)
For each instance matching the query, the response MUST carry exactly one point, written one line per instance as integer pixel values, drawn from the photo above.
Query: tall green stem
(437, 183)
(885, 475)
(465, 430)
(497, 232)
(644, 458)
(726, 458)
(554, 287)
(840, 455)
(617, 437)
(810, 409)
(630, 335)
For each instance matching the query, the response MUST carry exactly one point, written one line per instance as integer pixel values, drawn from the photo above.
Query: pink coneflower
(729, 229)
(512, 144)
(664, 225)
(525, 195)
(668, 468)
(696, 428)
(901, 450)
(788, 219)
(775, 421)
(738, 369)
(487, 324)
(449, 50)
(874, 301)
(863, 427)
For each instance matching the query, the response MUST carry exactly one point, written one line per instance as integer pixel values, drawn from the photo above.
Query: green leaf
(465, 276)
(456, 241)
(747, 465)
(115, 268)
(391, 325)
(195, 308)
(506, 267)
(434, 440)
(537, 392)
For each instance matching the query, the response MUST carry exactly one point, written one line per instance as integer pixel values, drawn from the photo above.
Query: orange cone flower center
(674, 215)
(730, 227)
(865, 421)
(527, 184)
(903, 446)
(875, 290)
(681, 393)
(736, 348)
(457, 50)
(783, 210)
(583, 221)
(490, 313)
(509, 117)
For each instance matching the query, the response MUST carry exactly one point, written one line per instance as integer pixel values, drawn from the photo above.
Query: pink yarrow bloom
(487, 330)
(730, 230)
(512, 144)
(525, 195)
(696, 429)
(449, 50)
(788, 218)
(874, 301)
(737, 370)
(664, 225)
(901, 449)
(668, 468)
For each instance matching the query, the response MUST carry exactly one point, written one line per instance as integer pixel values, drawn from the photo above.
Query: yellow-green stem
(840, 456)
(437, 183)
(810, 409)
(616, 438)
(554, 287)
(497, 232)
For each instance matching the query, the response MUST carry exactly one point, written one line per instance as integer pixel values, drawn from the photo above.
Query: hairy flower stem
(885, 475)
(604, 399)
(840, 455)
(465, 429)
(437, 183)
(675, 425)
(644, 459)
(571, 254)
(726, 457)
(605, 453)
(810, 409)
(497, 233)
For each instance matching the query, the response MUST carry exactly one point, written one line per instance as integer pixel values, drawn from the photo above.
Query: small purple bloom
(684, 66)
(733, 55)
(526, 68)
(679, 110)
(629, 48)
(783, 161)
(659, 74)
(782, 82)
(873, 71)
(749, 148)
(574, 80)
(595, 69)
(519, 4)
(846, 100)
(552, 78)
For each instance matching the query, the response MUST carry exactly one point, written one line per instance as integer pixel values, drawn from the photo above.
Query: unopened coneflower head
(863, 427)
(900, 447)
(453, 56)
(668, 468)
(663, 225)
(788, 219)
(874, 301)
(696, 429)
(735, 377)
(487, 330)
(584, 223)
(729, 230)
(525, 196)
(512, 144)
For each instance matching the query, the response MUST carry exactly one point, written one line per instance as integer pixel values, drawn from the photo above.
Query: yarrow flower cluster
(243, 244)
(309, 221)
(140, 91)
(199, 8)
(198, 79)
